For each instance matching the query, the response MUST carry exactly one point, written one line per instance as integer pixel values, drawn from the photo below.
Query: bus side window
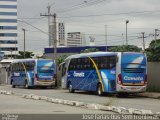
(112, 62)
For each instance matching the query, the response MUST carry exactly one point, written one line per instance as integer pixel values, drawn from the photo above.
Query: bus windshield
(45, 66)
(133, 58)
(45, 69)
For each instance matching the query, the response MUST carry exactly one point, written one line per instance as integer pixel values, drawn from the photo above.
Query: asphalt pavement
(137, 102)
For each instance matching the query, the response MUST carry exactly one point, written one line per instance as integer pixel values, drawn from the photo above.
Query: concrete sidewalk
(150, 95)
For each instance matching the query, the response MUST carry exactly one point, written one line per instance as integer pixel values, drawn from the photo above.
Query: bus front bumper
(131, 89)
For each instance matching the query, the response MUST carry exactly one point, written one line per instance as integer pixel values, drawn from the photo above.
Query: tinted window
(103, 62)
(29, 65)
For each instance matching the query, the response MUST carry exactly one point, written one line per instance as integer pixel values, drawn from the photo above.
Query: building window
(8, 6)
(8, 34)
(9, 13)
(8, 20)
(8, 27)
(8, 42)
(9, 49)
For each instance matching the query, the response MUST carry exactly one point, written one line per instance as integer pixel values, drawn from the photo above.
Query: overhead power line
(34, 27)
(85, 3)
(124, 13)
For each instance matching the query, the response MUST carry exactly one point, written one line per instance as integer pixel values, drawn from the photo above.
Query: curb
(119, 110)
(149, 95)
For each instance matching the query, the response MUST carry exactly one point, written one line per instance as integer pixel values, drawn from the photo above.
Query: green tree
(27, 54)
(153, 52)
(89, 50)
(125, 48)
(61, 59)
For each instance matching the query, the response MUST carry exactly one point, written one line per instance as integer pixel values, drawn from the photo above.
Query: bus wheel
(13, 86)
(26, 85)
(99, 90)
(71, 90)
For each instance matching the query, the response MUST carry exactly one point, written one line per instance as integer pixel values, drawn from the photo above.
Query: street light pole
(127, 21)
(106, 34)
(24, 30)
(143, 41)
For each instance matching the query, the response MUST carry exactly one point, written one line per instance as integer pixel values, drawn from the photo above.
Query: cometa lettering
(81, 74)
(133, 78)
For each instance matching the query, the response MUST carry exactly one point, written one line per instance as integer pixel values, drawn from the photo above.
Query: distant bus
(105, 72)
(32, 72)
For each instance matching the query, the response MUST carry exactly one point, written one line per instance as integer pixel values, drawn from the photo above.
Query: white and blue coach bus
(105, 72)
(32, 72)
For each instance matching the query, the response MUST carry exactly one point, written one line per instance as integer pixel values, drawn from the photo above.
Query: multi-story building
(61, 34)
(75, 39)
(8, 27)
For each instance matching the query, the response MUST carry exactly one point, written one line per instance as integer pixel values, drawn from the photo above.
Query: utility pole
(143, 36)
(55, 35)
(155, 35)
(53, 32)
(49, 28)
(49, 15)
(24, 30)
(106, 34)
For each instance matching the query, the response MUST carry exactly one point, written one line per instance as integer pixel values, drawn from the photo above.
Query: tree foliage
(27, 54)
(90, 50)
(125, 48)
(61, 59)
(153, 52)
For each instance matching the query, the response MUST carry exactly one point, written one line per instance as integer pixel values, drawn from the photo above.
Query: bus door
(64, 75)
(108, 73)
(18, 74)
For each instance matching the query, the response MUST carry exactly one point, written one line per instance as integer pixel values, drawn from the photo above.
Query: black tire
(71, 90)
(26, 85)
(99, 90)
(13, 86)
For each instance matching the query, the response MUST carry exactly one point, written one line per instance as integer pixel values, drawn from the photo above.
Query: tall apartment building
(8, 27)
(75, 39)
(61, 34)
